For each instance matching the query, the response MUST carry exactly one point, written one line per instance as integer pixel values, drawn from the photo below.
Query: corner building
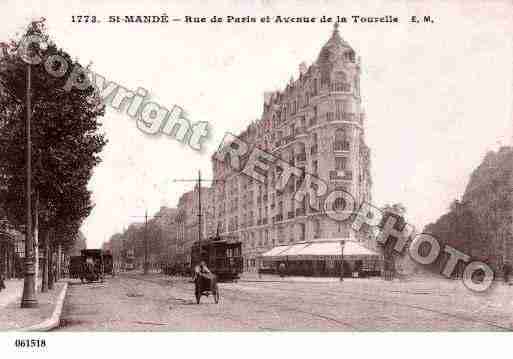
(316, 124)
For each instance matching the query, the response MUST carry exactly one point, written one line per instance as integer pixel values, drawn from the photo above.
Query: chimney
(302, 68)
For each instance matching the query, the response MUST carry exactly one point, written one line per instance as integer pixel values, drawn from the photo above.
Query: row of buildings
(315, 124)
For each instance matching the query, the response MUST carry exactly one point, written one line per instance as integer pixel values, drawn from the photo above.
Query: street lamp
(342, 244)
(28, 299)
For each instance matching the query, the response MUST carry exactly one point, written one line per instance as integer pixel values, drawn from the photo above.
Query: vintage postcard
(255, 166)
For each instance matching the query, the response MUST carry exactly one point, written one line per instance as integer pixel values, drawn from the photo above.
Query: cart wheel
(216, 294)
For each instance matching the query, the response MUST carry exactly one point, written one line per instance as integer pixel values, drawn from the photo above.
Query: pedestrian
(281, 269)
(507, 272)
(2, 281)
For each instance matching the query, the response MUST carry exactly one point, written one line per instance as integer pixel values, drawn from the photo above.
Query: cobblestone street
(132, 302)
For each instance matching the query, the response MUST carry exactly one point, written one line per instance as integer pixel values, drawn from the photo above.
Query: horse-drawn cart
(206, 284)
(93, 268)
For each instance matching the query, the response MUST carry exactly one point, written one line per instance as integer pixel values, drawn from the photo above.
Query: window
(340, 135)
(315, 167)
(302, 232)
(349, 56)
(339, 204)
(316, 228)
(340, 163)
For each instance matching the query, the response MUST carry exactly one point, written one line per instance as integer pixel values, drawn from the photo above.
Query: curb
(54, 320)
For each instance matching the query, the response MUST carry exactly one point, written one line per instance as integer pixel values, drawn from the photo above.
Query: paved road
(158, 303)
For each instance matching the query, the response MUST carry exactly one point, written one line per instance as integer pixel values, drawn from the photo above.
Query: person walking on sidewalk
(2, 281)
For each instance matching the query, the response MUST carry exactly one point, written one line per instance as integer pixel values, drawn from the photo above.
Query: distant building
(187, 220)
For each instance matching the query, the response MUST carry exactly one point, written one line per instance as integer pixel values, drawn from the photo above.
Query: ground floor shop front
(321, 258)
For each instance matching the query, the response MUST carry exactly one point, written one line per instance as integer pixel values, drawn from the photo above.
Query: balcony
(341, 175)
(288, 139)
(290, 215)
(341, 146)
(300, 130)
(301, 157)
(340, 87)
(346, 116)
(300, 212)
(278, 218)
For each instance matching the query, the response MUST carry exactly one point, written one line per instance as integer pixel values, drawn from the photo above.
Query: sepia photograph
(258, 166)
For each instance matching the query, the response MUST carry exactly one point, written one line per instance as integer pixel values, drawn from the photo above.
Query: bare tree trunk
(59, 262)
(50, 268)
(46, 261)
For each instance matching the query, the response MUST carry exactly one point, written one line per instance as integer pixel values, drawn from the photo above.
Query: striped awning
(321, 250)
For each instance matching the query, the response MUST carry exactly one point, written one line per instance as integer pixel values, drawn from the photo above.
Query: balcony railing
(301, 157)
(288, 139)
(346, 116)
(340, 146)
(300, 212)
(278, 218)
(290, 215)
(341, 87)
(341, 175)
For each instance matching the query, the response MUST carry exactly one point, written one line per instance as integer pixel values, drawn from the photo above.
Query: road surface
(133, 302)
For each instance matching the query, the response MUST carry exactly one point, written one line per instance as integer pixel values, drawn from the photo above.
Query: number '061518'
(30, 343)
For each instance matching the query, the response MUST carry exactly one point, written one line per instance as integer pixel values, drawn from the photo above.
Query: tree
(397, 211)
(65, 138)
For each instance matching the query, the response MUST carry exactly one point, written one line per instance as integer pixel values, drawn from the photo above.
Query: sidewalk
(12, 317)
(255, 277)
(12, 292)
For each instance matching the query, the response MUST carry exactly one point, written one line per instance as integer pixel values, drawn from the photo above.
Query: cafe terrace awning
(320, 250)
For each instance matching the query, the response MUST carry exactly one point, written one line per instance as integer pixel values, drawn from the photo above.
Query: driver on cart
(203, 272)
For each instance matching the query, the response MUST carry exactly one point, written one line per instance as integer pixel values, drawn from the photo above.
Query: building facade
(187, 220)
(315, 124)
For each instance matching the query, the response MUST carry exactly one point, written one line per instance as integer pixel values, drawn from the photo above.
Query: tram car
(222, 255)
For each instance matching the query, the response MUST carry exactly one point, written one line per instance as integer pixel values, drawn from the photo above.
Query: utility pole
(342, 244)
(28, 299)
(199, 180)
(145, 239)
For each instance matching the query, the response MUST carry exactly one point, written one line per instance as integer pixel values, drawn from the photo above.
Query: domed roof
(336, 45)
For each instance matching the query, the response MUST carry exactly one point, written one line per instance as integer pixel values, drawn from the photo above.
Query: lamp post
(28, 299)
(342, 244)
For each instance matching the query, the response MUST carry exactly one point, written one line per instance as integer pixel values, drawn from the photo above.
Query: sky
(437, 95)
